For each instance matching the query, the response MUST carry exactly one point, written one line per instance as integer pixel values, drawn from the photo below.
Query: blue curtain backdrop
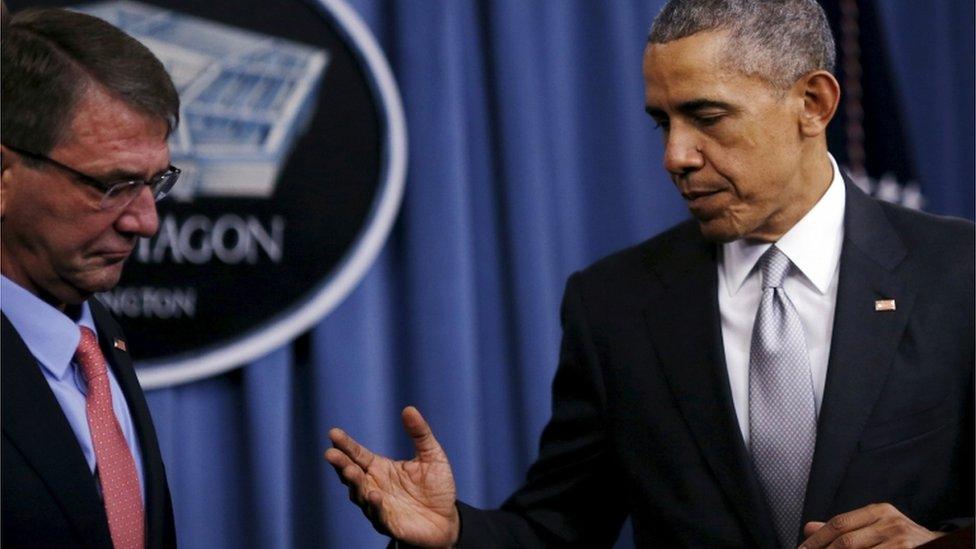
(530, 157)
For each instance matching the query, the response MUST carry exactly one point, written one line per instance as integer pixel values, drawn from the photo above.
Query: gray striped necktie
(782, 411)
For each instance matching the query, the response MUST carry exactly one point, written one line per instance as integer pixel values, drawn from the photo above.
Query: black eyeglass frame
(159, 185)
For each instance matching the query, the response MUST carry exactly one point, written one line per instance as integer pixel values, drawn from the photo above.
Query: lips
(705, 204)
(691, 196)
(115, 255)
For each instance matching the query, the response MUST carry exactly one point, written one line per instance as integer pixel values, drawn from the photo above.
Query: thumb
(811, 527)
(427, 447)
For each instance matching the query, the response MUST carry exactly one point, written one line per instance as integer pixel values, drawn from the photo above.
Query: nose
(682, 152)
(139, 217)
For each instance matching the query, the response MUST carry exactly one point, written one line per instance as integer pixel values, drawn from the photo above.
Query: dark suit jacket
(643, 421)
(49, 495)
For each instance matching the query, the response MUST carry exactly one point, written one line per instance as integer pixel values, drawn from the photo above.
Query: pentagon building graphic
(245, 98)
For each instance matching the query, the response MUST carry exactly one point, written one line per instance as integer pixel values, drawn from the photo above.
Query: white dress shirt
(813, 245)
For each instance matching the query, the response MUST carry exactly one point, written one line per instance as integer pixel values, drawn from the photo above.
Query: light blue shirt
(52, 338)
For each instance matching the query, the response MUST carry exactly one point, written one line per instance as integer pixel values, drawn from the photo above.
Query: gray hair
(776, 40)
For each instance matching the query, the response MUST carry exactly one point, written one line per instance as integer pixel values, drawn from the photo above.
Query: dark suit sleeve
(572, 495)
(969, 471)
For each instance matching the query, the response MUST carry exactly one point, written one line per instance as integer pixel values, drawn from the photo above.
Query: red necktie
(116, 467)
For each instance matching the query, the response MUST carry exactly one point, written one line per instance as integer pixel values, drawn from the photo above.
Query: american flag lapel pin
(884, 305)
(120, 345)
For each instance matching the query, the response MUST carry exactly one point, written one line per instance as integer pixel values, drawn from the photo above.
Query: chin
(101, 281)
(718, 231)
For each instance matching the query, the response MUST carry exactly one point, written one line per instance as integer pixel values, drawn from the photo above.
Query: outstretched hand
(411, 501)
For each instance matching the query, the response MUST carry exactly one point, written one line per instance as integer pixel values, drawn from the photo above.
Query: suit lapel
(686, 329)
(34, 423)
(862, 346)
(121, 363)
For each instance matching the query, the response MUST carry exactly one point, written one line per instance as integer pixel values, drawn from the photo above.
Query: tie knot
(774, 265)
(89, 355)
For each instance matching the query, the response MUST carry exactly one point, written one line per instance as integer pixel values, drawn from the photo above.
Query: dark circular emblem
(293, 150)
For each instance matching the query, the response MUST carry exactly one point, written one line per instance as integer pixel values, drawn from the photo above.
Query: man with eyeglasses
(86, 113)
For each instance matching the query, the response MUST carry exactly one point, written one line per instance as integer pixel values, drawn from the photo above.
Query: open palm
(412, 501)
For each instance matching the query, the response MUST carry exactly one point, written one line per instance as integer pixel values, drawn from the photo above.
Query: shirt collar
(49, 334)
(813, 244)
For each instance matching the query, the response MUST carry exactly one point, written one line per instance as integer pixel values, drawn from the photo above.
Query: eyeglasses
(119, 194)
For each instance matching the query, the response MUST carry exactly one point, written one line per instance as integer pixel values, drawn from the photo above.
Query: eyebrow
(116, 176)
(693, 106)
(654, 111)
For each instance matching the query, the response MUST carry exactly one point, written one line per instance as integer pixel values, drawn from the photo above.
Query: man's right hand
(411, 501)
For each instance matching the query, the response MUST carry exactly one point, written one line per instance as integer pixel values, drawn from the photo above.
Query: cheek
(737, 153)
(732, 167)
(756, 169)
(59, 232)
(78, 237)
(779, 141)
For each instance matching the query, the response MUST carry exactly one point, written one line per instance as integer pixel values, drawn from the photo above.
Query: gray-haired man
(798, 354)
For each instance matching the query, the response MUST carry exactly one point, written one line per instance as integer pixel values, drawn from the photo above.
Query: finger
(359, 454)
(840, 525)
(338, 461)
(811, 527)
(865, 537)
(337, 458)
(353, 474)
(357, 482)
(375, 499)
(424, 443)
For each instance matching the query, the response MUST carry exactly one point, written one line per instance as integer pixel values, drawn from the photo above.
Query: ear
(4, 168)
(8, 161)
(821, 95)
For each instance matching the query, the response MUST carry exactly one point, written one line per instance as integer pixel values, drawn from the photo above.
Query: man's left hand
(877, 525)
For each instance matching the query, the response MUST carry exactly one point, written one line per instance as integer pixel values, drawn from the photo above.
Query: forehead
(105, 129)
(692, 68)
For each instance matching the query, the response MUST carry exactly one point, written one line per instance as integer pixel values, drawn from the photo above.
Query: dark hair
(50, 57)
(777, 40)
